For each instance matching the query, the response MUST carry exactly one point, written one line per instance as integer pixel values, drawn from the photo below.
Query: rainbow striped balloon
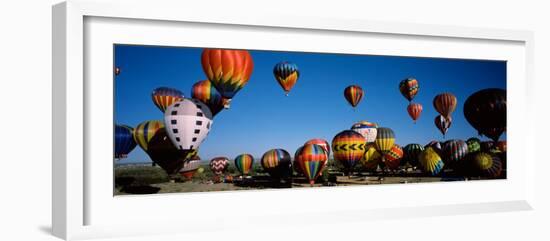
(409, 88)
(454, 151)
(353, 94)
(164, 97)
(228, 70)
(277, 163)
(207, 94)
(145, 131)
(320, 142)
(312, 159)
(244, 163)
(348, 147)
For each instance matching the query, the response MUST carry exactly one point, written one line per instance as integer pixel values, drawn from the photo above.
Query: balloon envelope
(367, 129)
(445, 104)
(392, 158)
(228, 70)
(454, 151)
(430, 161)
(353, 94)
(411, 153)
(312, 159)
(443, 124)
(188, 123)
(277, 163)
(286, 74)
(207, 94)
(219, 165)
(164, 97)
(244, 162)
(144, 132)
(165, 154)
(124, 141)
(348, 148)
(485, 110)
(371, 158)
(414, 110)
(385, 138)
(409, 88)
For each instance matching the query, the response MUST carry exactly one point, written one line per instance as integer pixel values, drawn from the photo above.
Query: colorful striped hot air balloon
(443, 124)
(474, 145)
(348, 148)
(445, 104)
(392, 158)
(243, 163)
(190, 167)
(219, 165)
(277, 163)
(207, 94)
(411, 153)
(454, 151)
(485, 110)
(353, 94)
(228, 70)
(414, 110)
(144, 132)
(371, 158)
(286, 74)
(487, 165)
(164, 97)
(311, 158)
(431, 161)
(366, 129)
(322, 143)
(385, 138)
(295, 163)
(124, 141)
(409, 88)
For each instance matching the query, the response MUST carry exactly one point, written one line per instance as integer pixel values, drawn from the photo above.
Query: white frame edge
(68, 106)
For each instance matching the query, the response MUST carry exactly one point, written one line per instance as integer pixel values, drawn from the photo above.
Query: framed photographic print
(155, 111)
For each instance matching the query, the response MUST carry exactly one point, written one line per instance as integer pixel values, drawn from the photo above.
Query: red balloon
(414, 110)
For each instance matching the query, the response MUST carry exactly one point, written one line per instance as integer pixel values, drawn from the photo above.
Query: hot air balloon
(434, 144)
(487, 165)
(320, 142)
(219, 165)
(312, 158)
(411, 153)
(286, 74)
(385, 138)
(295, 163)
(445, 104)
(124, 141)
(187, 122)
(443, 124)
(228, 70)
(371, 158)
(366, 129)
(165, 154)
(144, 132)
(485, 110)
(431, 161)
(414, 110)
(454, 151)
(190, 167)
(207, 94)
(474, 145)
(117, 71)
(277, 163)
(408, 88)
(164, 97)
(353, 94)
(392, 158)
(348, 148)
(243, 163)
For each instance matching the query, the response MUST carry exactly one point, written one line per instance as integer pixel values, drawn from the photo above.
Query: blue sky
(261, 117)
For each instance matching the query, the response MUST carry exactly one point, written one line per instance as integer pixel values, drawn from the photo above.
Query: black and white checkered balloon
(187, 123)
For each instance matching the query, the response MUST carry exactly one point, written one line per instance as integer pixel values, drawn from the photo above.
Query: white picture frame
(76, 200)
